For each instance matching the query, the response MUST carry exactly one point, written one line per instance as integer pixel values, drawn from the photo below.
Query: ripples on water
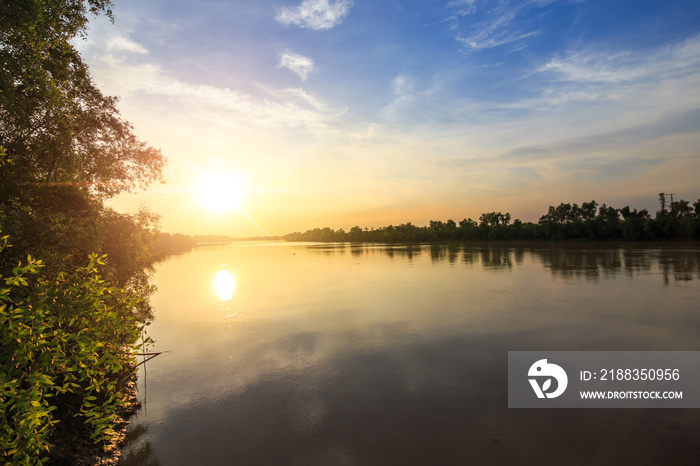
(333, 354)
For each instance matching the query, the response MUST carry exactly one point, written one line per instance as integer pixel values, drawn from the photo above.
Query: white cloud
(298, 64)
(486, 25)
(593, 108)
(601, 67)
(488, 39)
(123, 44)
(461, 3)
(620, 84)
(595, 68)
(127, 78)
(315, 14)
(402, 84)
(303, 96)
(461, 8)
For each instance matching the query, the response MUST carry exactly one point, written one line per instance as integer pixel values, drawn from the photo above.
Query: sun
(221, 193)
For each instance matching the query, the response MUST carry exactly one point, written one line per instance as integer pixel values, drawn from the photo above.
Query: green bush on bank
(67, 349)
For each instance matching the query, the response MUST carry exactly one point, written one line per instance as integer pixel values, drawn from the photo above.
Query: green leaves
(67, 332)
(66, 347)
(65, 147)
(56, 124)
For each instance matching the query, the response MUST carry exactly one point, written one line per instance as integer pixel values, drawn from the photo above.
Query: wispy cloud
(606, 113)
(489, 38)
(641, 135)
(620, 84)
(587, 113)
(122, 44)
(460, 8)
(315, 14)
(582, 67)
(402, 84)
(484, 24)
(298, 64)
(127, 75)
(303, 96)
(590, 66)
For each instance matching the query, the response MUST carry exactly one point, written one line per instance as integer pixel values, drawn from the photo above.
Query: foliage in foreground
(67, 332)
(66, 353)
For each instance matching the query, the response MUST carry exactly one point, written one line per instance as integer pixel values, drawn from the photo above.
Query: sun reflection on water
(224, 285)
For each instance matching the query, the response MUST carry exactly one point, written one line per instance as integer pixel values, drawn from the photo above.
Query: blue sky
(341, 112)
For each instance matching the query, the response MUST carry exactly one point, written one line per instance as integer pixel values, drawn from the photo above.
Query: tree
(355, 234)
(66, 147)
(588, 210)
(494, 219)
(55, 125)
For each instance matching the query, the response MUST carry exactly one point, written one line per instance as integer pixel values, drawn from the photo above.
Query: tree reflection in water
(590, 261)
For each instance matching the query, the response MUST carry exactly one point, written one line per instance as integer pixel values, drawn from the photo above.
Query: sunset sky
(338, 112)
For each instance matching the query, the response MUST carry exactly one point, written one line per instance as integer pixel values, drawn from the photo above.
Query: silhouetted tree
(563, 222)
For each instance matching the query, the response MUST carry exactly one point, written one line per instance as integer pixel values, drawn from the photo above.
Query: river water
(340, 354)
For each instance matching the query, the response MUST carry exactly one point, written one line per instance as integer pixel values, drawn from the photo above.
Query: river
(340, 354)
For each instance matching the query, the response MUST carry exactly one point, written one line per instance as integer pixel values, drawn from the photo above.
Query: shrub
(67, 350)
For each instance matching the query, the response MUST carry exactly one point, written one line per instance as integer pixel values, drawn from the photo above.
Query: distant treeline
(168, 243)
(589, 221)
(174, 243)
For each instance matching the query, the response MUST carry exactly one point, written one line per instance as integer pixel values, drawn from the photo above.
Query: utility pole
(662, 201)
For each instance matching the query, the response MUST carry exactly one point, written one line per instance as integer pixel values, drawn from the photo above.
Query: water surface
(339, 354)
